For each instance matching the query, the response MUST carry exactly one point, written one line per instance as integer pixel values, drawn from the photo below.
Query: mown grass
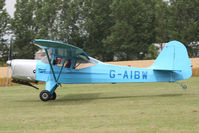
(102, 108)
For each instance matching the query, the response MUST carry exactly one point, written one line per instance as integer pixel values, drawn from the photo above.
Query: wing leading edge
(62, 49)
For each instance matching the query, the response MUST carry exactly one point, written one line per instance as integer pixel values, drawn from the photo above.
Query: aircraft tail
(174, 57)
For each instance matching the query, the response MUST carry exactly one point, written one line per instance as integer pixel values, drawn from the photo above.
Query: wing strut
(63, 62)
(51, 67)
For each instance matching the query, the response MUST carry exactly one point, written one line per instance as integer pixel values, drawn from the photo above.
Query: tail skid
(182, 85)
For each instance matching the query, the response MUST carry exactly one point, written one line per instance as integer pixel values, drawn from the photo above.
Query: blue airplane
(65, 63)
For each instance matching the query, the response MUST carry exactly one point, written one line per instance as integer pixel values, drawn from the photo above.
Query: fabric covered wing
(62, 49)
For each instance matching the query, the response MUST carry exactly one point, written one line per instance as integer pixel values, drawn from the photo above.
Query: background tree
(23, 28)
(97, 26)
(133, 30)
(161, 22)
(70, 24)
(105, 28)
(4, 21)
(184, 22)
(46, 19)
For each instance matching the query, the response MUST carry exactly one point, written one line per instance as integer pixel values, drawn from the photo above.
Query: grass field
(102, 108)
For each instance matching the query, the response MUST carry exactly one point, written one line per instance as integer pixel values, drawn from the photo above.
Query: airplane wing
(62, 49)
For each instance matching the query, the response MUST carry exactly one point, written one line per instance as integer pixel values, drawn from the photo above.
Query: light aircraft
(65, 63)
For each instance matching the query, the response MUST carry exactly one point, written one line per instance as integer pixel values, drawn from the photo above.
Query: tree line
(105, 29)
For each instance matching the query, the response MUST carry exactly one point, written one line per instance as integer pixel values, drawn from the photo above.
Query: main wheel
(45, 95)
(53, 96)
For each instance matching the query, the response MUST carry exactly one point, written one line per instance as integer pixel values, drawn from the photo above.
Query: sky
(10, 7)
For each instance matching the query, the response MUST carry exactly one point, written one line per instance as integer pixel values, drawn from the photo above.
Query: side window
(68, 63)
(57, 61)
(82, 64)
(45, 60)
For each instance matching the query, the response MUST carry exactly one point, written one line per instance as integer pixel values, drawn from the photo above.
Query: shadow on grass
(85, 97)
(74, 99)
(96, 96)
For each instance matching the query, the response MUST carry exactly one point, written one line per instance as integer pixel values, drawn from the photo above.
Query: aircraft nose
(23, 70)
(9, 62)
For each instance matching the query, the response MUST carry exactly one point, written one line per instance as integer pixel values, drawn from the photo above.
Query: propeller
(9, 60)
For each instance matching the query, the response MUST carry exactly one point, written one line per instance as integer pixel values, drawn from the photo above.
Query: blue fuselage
(104, 73)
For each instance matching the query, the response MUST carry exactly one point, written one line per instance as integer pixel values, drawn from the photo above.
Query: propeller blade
(9, 62)
(10, 50)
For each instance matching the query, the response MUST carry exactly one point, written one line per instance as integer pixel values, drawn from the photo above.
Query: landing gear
(45, 95)
(53, 96)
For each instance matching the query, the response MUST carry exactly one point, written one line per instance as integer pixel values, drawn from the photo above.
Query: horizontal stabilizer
(159, 69)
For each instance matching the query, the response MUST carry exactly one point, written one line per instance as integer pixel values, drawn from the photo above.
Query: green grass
(102, 108)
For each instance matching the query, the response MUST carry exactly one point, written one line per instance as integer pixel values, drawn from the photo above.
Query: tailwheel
(53, 96)
(45, 95)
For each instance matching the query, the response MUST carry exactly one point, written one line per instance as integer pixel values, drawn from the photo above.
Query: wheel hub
(44, 95)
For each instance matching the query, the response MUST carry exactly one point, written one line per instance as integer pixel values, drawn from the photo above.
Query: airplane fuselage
(103, 73)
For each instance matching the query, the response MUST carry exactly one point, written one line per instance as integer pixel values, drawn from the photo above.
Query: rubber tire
(53, 96)
(45, 95)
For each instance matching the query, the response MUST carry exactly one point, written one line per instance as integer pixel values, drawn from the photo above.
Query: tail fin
(174, 57)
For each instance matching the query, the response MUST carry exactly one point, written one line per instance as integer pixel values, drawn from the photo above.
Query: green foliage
(152, 52)
(23, 27)
(46, 22)
(184, 22)
(4, 21)
(70, 24)
(132, 32)
(105, 29)
(33, 19)
(161, 22)
(97, 26)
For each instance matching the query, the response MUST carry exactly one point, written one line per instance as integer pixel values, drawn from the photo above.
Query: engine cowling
(24, 70)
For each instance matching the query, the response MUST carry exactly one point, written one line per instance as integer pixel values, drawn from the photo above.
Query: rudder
(174, 57)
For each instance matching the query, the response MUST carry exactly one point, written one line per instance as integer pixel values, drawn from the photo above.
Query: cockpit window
(95, 61)
(68, 63)
(45, 60)
(84, 64)
(75, 63)
(81, 65)
(57, 61)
